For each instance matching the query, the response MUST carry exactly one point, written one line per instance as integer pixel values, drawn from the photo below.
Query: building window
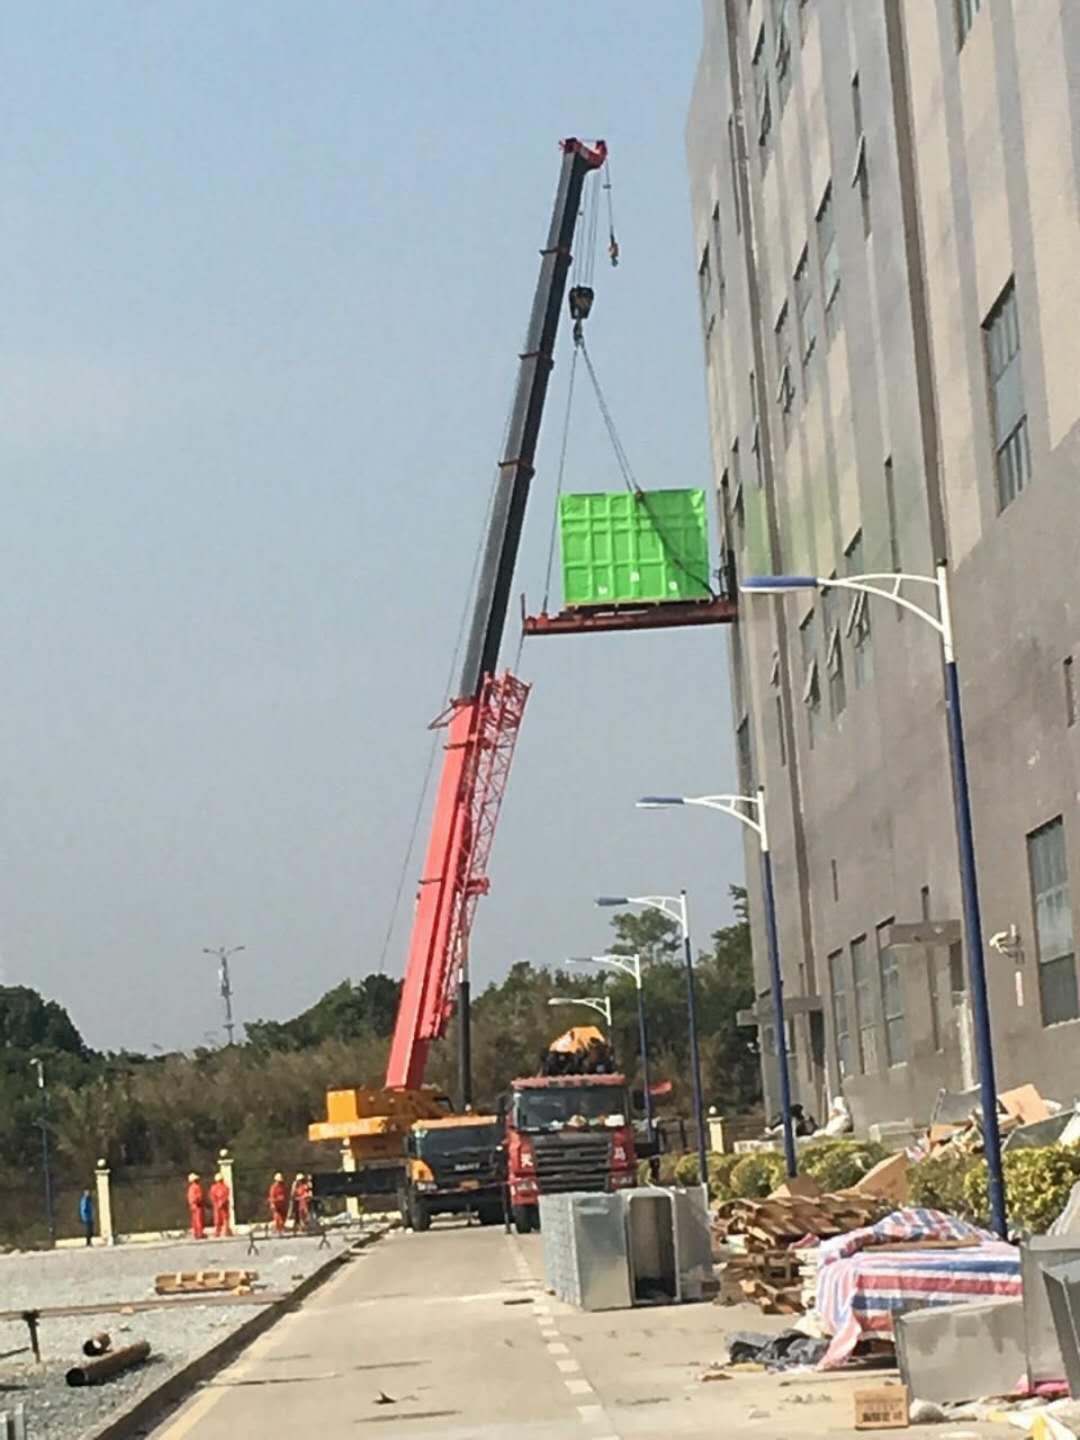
(811, 679)
(966, 10)
(783, 51)
(1053, 923)
(718, 264)
(739, 510)
(930, 961)
(835, 874)
(744, 756)
(858, 617)
(831, 609)
(733, 151)
(755, 443)
(861, 178)
(829, 259)
(841, 1030)
(865, 1018)
(761, 96)
(778, 706)
(1012, 453)
(892, 1000)
(804, 295)
(1069, 674)
(894, 533)
(785, 387)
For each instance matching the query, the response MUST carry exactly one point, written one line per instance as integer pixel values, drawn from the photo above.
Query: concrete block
(1041, 1252)
(962, 1352)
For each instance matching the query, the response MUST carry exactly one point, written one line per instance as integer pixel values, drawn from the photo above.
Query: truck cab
(452, 1167)
(566, 1132)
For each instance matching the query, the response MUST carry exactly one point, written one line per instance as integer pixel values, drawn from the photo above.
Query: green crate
(619, 547)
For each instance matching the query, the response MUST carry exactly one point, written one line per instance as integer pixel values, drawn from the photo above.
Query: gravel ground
(54, 1410)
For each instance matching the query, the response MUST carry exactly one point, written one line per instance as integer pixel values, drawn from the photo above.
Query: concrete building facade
(886, 210)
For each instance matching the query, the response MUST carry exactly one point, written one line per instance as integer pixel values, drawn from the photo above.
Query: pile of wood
(197, 1282)
(756, 1239)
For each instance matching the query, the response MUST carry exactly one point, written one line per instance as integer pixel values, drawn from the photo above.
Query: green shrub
(837, 1164)
(686, 1170)
(938, 1182)
(756, 1175)
(720, 1170)
(1037, 1186)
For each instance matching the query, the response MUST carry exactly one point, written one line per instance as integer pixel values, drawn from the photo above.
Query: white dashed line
(556, 1347)
(578, 1387)
(589, 1413)
(568, 1367)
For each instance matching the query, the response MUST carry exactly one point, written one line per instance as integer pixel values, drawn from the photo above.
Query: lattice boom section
(498, 720)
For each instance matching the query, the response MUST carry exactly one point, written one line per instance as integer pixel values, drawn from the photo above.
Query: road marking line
(568, 1367)
(556, 1347)
(590, 1412)
(578, 1387)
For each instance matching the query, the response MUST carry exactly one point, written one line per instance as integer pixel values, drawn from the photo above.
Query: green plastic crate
(619, 547)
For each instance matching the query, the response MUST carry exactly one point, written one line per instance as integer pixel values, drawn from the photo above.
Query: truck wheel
(524, 1219)
(419, 1216)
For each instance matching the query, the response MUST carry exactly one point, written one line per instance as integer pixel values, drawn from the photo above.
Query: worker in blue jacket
(86, 1215)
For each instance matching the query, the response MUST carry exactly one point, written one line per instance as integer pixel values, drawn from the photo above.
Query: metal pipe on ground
(97, 1344)
(93, 1372)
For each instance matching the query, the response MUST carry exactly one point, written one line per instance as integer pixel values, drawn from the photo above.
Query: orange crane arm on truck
(483, 721)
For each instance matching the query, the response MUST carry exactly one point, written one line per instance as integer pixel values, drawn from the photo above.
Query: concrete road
(450, 1335)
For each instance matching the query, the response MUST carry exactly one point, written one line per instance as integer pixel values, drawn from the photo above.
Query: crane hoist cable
(613, 244)
(630, 480)
(562, 470)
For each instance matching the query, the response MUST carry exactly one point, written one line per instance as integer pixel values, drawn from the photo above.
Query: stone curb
(149, 1408)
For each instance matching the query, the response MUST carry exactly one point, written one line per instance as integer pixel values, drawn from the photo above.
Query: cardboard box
(888, 1180)
(1024, 1104)
(881, 1407)
(800, 1186)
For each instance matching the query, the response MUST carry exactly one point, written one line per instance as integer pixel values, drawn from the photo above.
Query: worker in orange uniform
(220, 1202)
(278, 1198)
(300, 1201)
(195, 1204)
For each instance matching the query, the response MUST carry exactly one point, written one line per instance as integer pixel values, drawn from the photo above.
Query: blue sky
(266, 270)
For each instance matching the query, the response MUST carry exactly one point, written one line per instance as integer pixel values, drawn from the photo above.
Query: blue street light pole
(676, 907)
(888, 587)
(750, 811)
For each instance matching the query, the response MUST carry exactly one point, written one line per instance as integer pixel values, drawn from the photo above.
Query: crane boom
(485, 716)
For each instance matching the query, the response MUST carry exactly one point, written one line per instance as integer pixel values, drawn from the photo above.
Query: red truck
(566, 1132)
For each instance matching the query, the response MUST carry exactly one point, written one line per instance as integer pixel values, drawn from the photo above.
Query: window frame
(1065, 959)
(828, 261)
(865, 1018)
(1012, 449)
(838, 1000)
(894, 1023)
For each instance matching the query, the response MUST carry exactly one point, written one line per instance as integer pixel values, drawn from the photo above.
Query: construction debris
(757, 1239)
(94, 1372)
(187, 1282)
(97, 1344)
(881, 1407)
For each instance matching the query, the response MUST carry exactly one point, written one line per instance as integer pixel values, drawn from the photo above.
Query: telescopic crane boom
(483, 720)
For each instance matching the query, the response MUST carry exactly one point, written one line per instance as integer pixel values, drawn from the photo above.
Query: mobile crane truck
(482, 722)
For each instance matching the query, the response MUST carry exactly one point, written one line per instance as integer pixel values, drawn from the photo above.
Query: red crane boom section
(481, 736)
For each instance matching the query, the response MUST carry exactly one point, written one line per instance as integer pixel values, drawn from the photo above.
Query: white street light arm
(601, 1004)
(674, 906)
(628, 964)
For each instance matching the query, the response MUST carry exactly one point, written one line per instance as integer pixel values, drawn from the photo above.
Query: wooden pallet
(188, 1282)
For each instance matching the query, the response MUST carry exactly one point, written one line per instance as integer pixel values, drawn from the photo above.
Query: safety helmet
(192, 1176)
(300, 1174)
(219, 1176)
(278, 1175)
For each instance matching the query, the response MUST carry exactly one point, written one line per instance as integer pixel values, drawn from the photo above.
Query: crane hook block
(580, 299)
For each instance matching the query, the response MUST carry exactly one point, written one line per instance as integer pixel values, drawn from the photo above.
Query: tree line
(169, 1110)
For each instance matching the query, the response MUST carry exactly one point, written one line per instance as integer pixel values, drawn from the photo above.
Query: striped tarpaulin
(859, 1292)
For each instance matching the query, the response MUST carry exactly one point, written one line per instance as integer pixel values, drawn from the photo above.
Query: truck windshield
(543, 1109)
(456, 1139)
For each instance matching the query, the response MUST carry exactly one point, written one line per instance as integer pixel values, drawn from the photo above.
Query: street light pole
(630, 965)
(676, 908)
(46, 1164)
(750, 811)
(888, 587)
(221, 954)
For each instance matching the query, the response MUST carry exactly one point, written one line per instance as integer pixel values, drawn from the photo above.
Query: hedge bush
(1037, 1186)
(757, 1175)
(838, 1164)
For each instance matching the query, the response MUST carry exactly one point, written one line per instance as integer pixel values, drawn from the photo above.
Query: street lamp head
(659, 802)
(780, 584)
(605, 902)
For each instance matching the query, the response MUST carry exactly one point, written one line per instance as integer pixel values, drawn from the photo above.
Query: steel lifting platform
(663, 615)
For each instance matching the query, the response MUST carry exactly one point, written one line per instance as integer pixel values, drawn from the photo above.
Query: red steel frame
(479, 749)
